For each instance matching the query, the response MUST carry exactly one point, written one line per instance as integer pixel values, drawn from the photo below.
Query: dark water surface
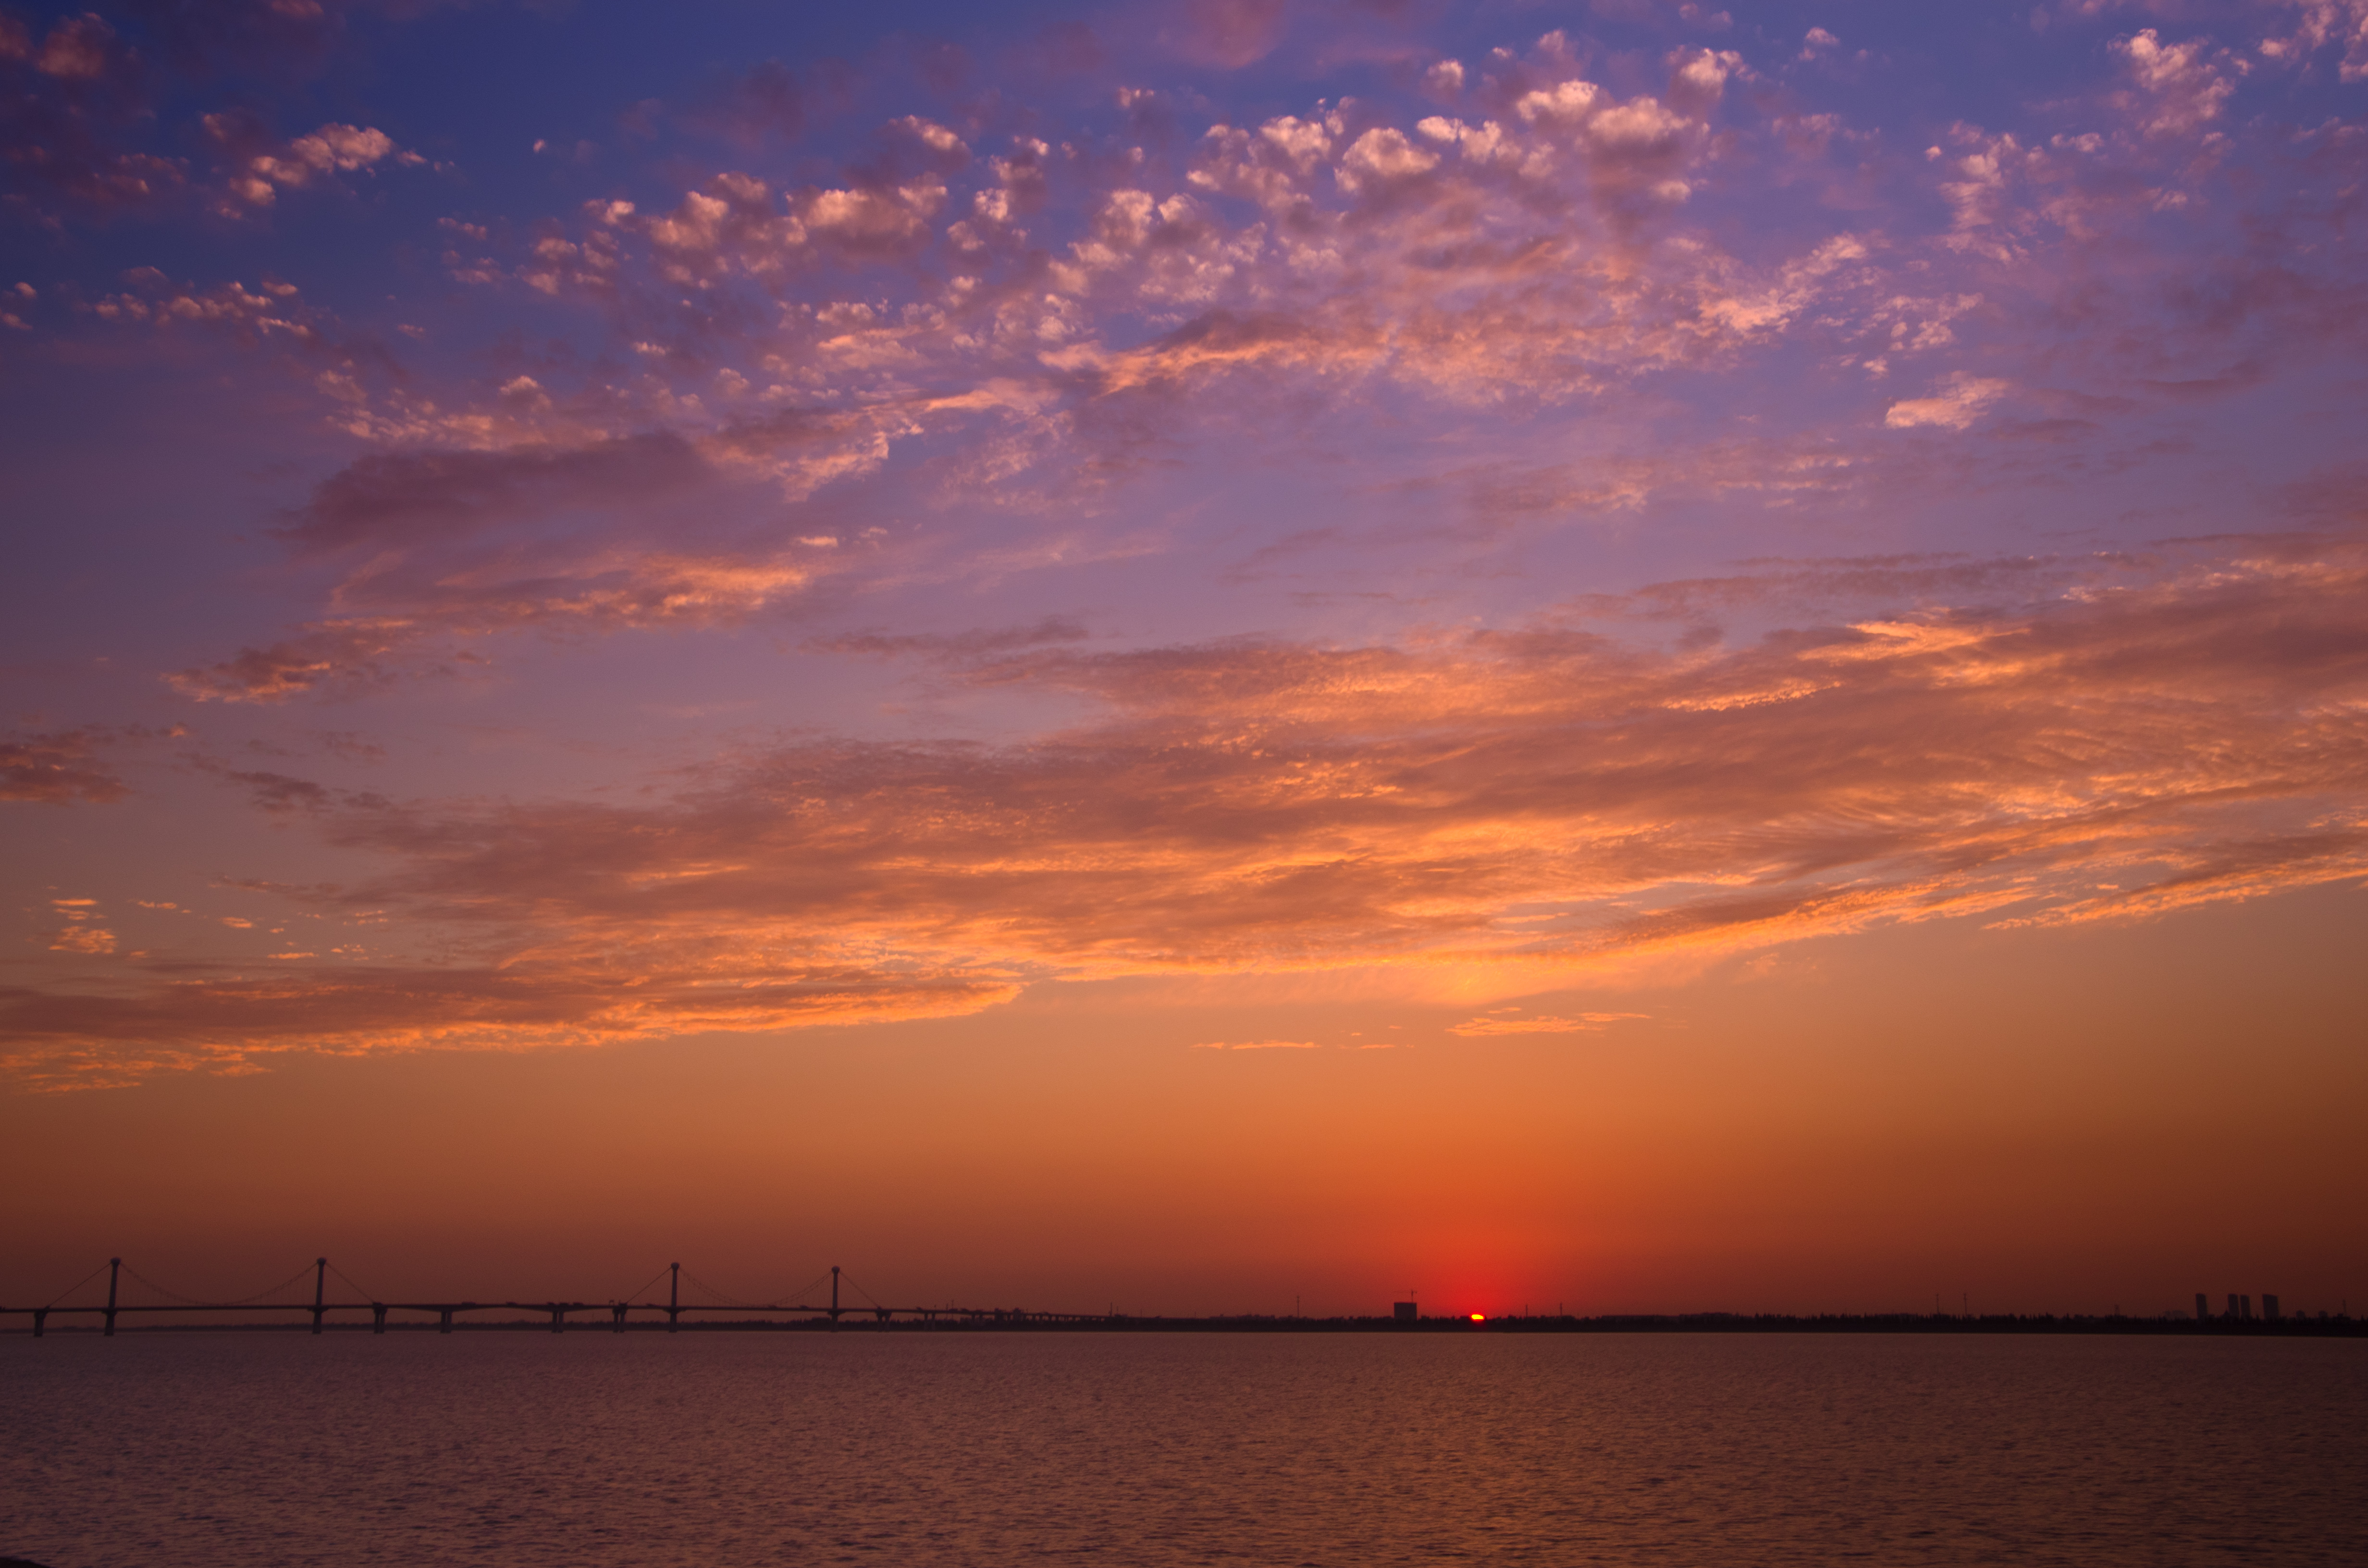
(723, 1449)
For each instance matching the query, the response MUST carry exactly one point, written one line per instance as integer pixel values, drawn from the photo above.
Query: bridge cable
(644, 1284)
(720, 1296)
(735, 1301)
(801, 1290)
(370, 1296)
(859, 1289)
(250, 1301)
(77, 1285)
(242, 1302)
(176, 1295)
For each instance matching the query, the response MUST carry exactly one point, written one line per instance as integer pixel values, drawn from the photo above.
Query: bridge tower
(673, 1296)
(320, 1284)
(114, 1267)
(834, 1295)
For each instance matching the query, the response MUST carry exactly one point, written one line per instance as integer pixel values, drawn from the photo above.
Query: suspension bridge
(148, 1297)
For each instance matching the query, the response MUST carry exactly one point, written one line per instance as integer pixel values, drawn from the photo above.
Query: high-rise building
(1402, 1311)
(2240, 1308)
(2203, 1308)
(2270, 1308)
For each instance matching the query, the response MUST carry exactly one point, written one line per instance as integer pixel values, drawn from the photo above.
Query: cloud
(73, 107)
(2317, 23)
(2185, 89)
(999, 331)
(213, 1017)
(590, 586)
(1257, 1045)
(447, 546)
(80, 121)
(260, 167)
(975, 318)
(959, 645)
(340, 655)
(894, 340)
(1953, 409)
(272, 317)
(57, 768)
(1225, 33)
(82, 928)
(282, 37)
(2079, 739)
(1484, 274)
(763, 103)
(1506, 1022)
(1382, 154)
(390, 499)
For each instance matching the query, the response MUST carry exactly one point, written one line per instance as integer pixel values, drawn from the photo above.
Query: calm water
(151, 1451)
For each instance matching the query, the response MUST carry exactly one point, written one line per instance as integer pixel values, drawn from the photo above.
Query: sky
(1226, 657)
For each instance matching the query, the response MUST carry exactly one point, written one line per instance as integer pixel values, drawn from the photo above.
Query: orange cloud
(1506, 1022)
(56, 769)
(2127, 737)
(1258, 1045)
(83, 928)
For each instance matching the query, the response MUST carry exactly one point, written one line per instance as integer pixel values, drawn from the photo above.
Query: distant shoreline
(2335, 1328)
